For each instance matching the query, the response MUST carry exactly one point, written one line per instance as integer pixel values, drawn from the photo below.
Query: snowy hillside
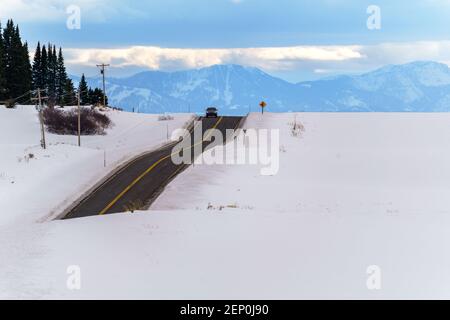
(418, 86)
(353, 191)
(52, 179)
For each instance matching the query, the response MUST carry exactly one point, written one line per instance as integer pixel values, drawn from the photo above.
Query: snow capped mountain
(418, 86)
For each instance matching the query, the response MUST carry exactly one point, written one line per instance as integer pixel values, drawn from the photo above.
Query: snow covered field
(343, 163)
(353, 191)
(36, 184)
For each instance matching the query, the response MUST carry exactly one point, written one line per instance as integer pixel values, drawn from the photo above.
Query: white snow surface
(354, 190)
(39, 187)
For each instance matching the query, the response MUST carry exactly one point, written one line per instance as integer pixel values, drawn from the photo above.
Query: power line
(14, 100)
(102, 71)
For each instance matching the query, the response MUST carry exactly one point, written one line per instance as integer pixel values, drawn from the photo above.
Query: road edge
(54, 215)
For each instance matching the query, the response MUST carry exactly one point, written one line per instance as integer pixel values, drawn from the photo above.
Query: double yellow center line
(135, 181)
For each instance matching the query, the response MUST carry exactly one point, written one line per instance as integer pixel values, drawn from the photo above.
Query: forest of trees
(20, 79)
(89, 96)
(15, 68)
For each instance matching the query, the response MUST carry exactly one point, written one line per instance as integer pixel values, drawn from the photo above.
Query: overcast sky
(294, 39)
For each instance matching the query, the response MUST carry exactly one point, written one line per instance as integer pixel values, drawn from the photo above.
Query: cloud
(282, 61)
(157, 58)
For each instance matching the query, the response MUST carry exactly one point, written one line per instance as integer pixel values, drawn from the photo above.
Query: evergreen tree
(26, 69)
(84, 91)
(96, 96)
(61, 78)
(51, 74)
(16, 63)
(69, 97)
(7, 36)
(91, 96)
(37, 61)
(47, 72)
(44, 68)
(2, 69)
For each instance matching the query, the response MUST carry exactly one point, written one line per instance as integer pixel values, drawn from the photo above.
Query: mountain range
(422, 86)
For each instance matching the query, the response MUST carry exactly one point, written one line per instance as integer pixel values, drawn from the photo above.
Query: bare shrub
(133, 206)
(66, 122)
(165, 117)
(10, 103)
(297, 127)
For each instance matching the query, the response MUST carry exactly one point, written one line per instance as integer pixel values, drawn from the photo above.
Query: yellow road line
(132, 184)
(207, 136)
(125, 166)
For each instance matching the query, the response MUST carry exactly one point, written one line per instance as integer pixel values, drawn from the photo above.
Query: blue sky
(294, 39)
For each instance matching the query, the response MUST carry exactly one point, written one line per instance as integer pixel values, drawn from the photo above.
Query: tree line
(20, 79)
(15, 67)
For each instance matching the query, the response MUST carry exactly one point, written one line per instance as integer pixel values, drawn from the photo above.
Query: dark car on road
(211, 112)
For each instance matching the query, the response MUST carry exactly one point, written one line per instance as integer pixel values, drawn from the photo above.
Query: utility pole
(41, 117)
(79, 119)
(102, 71)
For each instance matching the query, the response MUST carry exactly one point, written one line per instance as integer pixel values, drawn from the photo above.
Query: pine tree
(61, 78)
(84, 91)
(2, 69)
(26, 69)
(51, 74)
(37, 76)
(7, 36)
(91, 96)
(69, 97)
(44, 68)
(96, 96)
(16, 63)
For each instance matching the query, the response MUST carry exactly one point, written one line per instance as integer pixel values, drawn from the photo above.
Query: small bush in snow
(66, 122)
(165, 117)
(10, 103)
(26, 158)
(297, 128)
(133, 206)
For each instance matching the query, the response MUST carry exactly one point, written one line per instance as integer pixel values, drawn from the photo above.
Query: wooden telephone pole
(79, 119)
(102, 71)
(41, 117)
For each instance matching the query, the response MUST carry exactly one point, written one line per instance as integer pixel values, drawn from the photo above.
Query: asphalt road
(140, 182)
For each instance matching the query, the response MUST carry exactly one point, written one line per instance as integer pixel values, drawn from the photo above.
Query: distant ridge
(421, 86)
